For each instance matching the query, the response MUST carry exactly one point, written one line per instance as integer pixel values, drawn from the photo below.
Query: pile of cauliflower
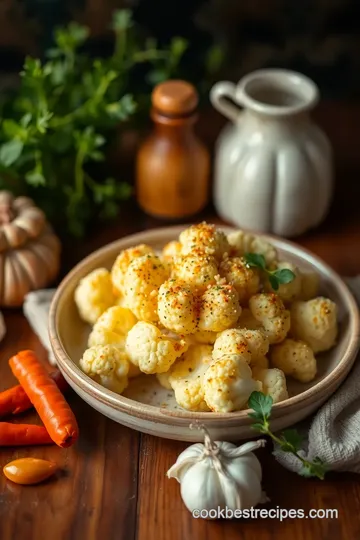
(207, 325)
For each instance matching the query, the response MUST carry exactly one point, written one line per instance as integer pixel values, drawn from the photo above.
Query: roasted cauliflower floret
(269, 310)
(310, 282)
(152, 350)
(245, 280)
(205, 337)
(295, 359)
(273, 383)
(94, 295)
(232, 341)
(315, 322)
(291, 291)
(220, 308)
(197, 271)
(123, 261)
(186, 377)
(204, 238)
(117, 319)
(142, 281)
(163, 379)
(104, 336)
(107, 364)
(228, 383)
(171, 251)
(178, 307)
(241, 242)
(259, 362)
(248, 321)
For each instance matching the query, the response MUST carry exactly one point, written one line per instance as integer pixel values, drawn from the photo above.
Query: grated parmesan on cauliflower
(204, 238)
(152, 350)
(186, 377)
(220, 308)
(123, 262)
(269, 310)
(228, 383)
(234, 340)
(315, 322)
(197, 271)
(295, 359)
(273, 383)
(142, 281)
(94, 295)
(246, 280)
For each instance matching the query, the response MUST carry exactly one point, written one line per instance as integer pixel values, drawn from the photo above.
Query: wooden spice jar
(173, 166)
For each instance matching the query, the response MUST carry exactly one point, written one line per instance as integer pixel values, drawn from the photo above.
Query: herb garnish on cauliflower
(246, 280)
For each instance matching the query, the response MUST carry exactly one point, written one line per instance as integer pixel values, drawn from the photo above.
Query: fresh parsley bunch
(289, 440)
(64, 113)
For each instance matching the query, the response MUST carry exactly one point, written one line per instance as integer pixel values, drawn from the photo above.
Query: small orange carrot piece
(50, 404)
(23, 435)
(15, 400)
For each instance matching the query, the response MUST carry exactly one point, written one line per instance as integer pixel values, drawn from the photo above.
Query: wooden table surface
(112, 484)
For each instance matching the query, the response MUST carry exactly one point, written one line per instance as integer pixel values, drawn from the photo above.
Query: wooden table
(112, 484)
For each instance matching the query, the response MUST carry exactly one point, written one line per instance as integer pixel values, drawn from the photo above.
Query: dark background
(320, 38)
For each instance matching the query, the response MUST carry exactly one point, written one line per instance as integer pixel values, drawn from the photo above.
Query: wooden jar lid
(175, 98)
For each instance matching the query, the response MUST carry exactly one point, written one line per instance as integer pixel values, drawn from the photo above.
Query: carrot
(15, 400)
(46, 397)
(23, 435)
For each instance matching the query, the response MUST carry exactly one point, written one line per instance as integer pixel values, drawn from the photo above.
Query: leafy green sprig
(289, 440)
(58, 125)
(276, 277)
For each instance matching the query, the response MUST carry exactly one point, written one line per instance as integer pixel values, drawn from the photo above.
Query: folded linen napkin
(333, 433)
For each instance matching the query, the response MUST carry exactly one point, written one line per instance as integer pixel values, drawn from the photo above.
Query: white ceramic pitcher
(273, 165)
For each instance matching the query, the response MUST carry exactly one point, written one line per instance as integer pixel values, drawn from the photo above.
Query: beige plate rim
(134, 408)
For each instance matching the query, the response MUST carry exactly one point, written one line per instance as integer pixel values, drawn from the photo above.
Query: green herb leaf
(255, 260)
(274, 282)
(261, 404)
(122, 19)
(35, 178)
(178, 46)
(284, 275)
(10, 152)
(259, 427)
(317, 468)
(292, 440)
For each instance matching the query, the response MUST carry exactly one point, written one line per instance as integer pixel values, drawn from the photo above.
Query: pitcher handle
(225, 89)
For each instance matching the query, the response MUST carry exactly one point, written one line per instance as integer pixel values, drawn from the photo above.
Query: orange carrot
(47, 399)
(15, 400)
(23, 435)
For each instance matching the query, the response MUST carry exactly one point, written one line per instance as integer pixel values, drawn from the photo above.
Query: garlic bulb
(219, 475)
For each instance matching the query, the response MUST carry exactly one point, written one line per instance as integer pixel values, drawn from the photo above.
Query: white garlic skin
(203, 486)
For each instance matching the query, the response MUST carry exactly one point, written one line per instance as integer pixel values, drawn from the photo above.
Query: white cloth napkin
(333, 433)
(36, 310)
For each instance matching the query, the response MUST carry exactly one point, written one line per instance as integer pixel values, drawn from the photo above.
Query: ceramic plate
(146, 406)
